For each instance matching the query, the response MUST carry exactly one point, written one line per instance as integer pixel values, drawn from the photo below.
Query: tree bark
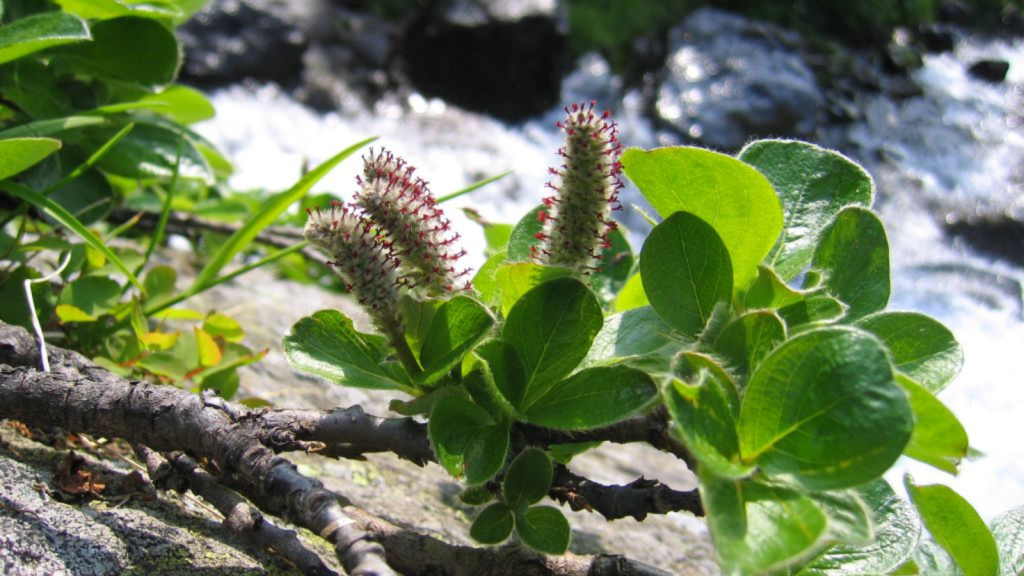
(84, 398)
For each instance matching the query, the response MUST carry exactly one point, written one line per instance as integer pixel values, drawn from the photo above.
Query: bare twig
(240, 518)
(636, 499)
(651, 428)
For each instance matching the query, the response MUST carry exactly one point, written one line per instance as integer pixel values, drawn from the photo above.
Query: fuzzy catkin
(360, 256)
(406, 212)
(586, 185)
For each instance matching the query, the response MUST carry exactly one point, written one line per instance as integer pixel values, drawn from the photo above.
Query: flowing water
(957, 151)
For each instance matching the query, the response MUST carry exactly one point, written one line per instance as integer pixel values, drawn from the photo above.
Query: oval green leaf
(130, 49)
(591, 398)
(506, 370)
(528, 478)
(1008, 530)
(823, 411)
(150, 151)
(38, 32)
(897, 531)
(19, 154)
(493, 525)
(524, 236)
(469, 444)
(552, 326)
(686, 272)
(939, 439)
(813, 184)
(458, 324)
(545, 529)
(759, 529)
(514, 280)
(853, 257)
(745, 341)
(327, 345)
(636, 332)
(704, 406)
(956, 526)
(921, 347)
(734, 198)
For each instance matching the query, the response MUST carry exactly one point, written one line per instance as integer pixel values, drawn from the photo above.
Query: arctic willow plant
(753, 325)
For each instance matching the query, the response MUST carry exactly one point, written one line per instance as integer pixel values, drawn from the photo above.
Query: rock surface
(729, 79)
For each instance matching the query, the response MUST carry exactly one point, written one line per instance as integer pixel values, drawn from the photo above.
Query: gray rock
(729, 79)
(503, 57)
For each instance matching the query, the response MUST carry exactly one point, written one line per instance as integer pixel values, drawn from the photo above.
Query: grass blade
(266, 216)
(165, 304)
(472, 187)
(91, 161)
(58, 213)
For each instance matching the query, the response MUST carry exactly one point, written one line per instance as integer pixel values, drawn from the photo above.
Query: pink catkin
(586, 185)
(405, 211)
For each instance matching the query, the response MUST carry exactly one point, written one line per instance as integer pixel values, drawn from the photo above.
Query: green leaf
(469, 444)
(129, 49)
(417, 316)
(482, 389)
(759, 529)
(166, 364)
(552, 326)
(813, 309)
(745, 341)
(686, 272)
(458, 324)
(493, 525)
(824, 412)
(956, 526)
(15, 308)
(183, 104)
(1008, 531)
(224, 326)
(93, 295)
(897, 531)
(68, 313)
(327, 345)
(853, 257)
(633, 333)
(160, 281)
(38, 32)
(591, 398)
(61, 215)
(484, 283)
(770, 291)
(920, 346)
(616, 264)
(19, 154)
(514, 280)
(849, 519)
(631, 295)
(734, 198)
(52, 126)
(523, 237)
(150, 151)
(528, 479)
(106, 9)
(266, 215)
(472, 188)
(813, 184)
(544, 528)
(704, 406)
(938, 439)
(507, 369)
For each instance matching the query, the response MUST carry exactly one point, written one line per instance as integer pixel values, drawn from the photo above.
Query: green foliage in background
(92, 122)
